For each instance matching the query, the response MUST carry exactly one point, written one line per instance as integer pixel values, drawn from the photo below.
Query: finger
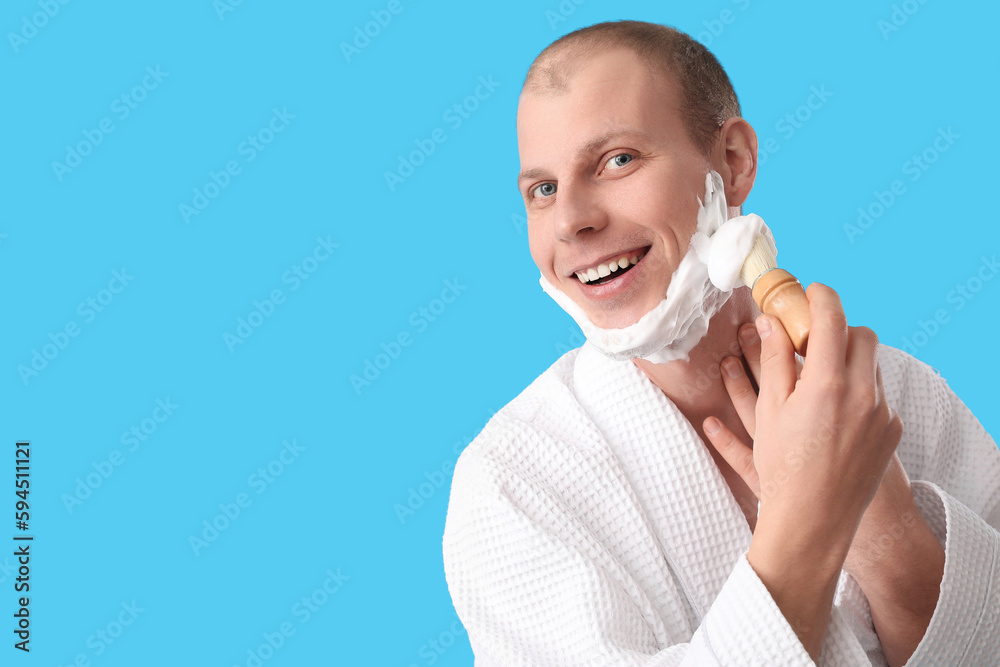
(862, 358)
(741, 392)
(894, 431)
(889, 439)
(734, 451)
(879, 384)
(827, 331)
(750, 346)
(777, 361)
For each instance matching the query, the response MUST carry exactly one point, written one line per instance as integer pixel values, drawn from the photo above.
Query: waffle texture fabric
(589, 526)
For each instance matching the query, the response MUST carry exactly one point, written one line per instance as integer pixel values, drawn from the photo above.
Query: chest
(744, 497)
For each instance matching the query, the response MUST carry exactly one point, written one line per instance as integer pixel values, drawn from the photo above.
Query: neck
(695, 386)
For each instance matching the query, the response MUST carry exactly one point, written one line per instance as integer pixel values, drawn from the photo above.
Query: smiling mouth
(612, 269)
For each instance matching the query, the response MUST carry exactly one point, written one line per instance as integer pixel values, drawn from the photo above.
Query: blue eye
(617, 159)
(546, 189)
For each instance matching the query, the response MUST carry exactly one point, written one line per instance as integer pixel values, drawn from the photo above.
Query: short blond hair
(707, 95)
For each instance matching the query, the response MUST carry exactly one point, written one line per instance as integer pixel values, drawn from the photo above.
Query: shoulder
(942, 440)
(497, 474)
(917, 392)
(906, 377)
(527, 414)
(530, 443)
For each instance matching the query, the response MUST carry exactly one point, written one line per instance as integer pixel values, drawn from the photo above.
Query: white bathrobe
(588, 525)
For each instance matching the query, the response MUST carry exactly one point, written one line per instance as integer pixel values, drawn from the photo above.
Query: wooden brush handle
(779, 294)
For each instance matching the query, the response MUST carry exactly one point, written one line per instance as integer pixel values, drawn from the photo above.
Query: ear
(735, 158)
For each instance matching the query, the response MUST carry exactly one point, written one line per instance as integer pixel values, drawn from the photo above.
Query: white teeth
(602, 270)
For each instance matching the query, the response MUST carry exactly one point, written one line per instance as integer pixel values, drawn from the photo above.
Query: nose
(577, 211)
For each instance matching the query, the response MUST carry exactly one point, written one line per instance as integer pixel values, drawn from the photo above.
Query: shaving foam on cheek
(699, 287)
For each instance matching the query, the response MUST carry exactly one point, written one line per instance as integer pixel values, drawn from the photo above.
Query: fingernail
(711, 425)
(748, 335)
(732, 367)
(763, 327)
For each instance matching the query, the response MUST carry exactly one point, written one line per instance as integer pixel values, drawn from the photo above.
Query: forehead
(607, 92)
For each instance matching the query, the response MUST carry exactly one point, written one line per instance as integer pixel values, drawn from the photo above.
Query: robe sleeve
(530, 595)
(965, 627)
(955, 468)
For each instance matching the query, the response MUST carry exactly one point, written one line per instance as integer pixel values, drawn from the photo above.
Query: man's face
(612, 175)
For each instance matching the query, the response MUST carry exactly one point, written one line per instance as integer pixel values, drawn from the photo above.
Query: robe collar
(699, 525)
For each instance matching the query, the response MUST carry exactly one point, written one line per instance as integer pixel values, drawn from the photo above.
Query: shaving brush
(777, 293)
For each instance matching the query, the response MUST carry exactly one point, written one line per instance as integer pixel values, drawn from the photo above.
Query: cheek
(540, 248)
(653, 197)
(673, 220)
(686, 225)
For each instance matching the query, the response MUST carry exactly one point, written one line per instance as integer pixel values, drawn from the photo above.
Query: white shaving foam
(699, 287)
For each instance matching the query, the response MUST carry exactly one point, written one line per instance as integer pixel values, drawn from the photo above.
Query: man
(609, 514)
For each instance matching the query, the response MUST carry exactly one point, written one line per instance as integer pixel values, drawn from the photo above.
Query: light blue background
(336, 506)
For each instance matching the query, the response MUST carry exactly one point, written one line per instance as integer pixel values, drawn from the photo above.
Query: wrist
(801, 573)
(891, 526)
(887, 559)
(804, 550)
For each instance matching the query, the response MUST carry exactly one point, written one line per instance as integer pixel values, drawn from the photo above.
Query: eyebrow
(590, 147)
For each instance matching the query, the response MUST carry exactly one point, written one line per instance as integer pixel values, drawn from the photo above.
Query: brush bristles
(759, 260)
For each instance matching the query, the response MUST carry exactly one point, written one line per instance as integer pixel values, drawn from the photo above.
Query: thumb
(736, 454)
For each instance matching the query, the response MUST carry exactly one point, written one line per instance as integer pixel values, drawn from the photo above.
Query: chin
(620, 318)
